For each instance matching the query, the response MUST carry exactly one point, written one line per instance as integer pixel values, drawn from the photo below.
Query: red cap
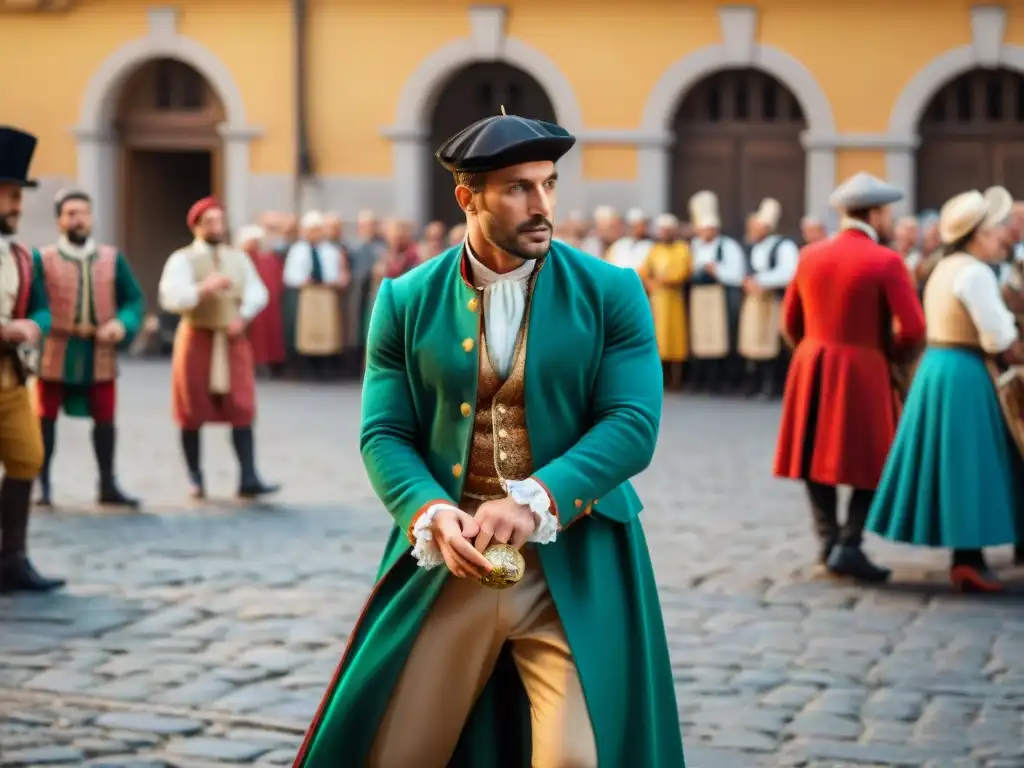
(195, 213)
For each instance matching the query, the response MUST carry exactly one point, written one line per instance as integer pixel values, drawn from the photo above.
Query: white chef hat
(312, 219)
(769, 212)
(247, 234)
(704, 210)
(635, 216)
(666, 221)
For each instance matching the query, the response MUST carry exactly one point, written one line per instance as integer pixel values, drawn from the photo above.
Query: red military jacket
(850, 309)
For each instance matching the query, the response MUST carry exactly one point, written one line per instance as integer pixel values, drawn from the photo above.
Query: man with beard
(216, 291)
(95, 306)
(24, 316)
(851, 311)
(512, 388)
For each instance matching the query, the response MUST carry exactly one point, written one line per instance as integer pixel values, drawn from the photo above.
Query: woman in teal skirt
(954, 478)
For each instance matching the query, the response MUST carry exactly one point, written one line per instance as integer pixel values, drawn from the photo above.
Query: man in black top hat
(512, 389)
(24, 315)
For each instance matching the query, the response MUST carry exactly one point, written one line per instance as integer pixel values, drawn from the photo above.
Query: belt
(963, 347)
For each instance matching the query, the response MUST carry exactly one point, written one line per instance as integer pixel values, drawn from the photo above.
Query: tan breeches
(21, 440)
(452, 659)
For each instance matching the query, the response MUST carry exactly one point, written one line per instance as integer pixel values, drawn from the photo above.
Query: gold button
(578, 503)
(502, 409)
(502, 433)
(457, 470)
(466, 409)
(473, 304)
(468, 345)
(502, 455)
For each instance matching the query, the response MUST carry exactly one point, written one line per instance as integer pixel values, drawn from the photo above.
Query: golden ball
(509, 566)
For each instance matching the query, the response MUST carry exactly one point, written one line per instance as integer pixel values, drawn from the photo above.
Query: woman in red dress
(266, 331)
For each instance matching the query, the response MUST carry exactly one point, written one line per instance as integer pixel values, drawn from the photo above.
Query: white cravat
(10, 281)
(504, 305)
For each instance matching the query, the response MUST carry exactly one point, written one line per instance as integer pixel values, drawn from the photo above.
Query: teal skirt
(953, 478)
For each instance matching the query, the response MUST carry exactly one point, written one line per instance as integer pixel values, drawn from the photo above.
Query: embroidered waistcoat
(947, 318)
(82, 296)
(500, 443)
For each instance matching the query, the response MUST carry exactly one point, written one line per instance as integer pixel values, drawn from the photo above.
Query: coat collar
(857, 225)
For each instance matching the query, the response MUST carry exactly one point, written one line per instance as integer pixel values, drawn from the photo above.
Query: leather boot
(104, 440)
(250, 485)
(16, 571)
(190, 447)
(847, 557)
(824, 501)
(1018, 554)
(49, 430)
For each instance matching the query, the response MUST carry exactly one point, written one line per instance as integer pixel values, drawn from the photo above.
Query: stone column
(236, 172)
(98, 172)
(411, 156)
(901, 168)
(654, 172)
(819, 181)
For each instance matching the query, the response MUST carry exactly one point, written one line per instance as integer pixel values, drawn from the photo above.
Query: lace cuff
(424, 549)
(531, 494)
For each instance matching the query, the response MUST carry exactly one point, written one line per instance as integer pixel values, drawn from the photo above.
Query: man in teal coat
(512, 388)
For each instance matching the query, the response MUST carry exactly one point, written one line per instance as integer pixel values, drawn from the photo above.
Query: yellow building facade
(146, 105)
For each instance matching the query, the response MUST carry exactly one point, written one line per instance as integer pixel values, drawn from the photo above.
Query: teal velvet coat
(593, 407)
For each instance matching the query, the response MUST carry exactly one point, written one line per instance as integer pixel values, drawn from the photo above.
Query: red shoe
(967, 578)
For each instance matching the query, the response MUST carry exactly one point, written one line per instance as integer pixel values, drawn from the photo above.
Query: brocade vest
(946, 317)
(500, 444)
(83, 296)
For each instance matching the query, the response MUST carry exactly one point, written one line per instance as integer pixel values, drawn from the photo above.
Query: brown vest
(500, 445)
(78, 292)
(947, 318)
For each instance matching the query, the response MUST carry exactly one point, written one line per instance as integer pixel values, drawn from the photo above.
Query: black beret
(501, 141)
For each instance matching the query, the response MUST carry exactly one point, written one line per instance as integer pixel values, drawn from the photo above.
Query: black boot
(824, 500)
(16, 571)
(190, 447)
(104, 439)
(1018, 554)
(848, 558)
(49, 430)
(250, 485)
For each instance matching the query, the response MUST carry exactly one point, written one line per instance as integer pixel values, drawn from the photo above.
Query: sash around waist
(973, 349)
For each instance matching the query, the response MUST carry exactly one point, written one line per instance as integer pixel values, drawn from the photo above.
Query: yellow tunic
(666, 268)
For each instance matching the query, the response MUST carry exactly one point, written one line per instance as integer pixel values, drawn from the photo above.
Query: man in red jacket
(851, 312)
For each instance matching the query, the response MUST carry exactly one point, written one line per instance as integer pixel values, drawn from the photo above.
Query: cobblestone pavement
(205, 636)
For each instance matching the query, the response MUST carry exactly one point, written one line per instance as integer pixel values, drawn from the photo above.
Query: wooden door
(972, 136)
(476, 92)
(738, 135)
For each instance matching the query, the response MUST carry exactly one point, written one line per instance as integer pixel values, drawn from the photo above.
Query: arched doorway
(972, 136)
(473, 93)
(737, 133)
(170, 155)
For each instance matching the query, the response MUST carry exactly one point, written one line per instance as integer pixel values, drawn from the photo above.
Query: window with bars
(177, 87)
(741, 96)
(978, 98)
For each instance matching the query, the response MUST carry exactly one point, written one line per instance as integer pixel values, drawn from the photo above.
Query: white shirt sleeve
(178, 291)
(330, 261)
(786, 257)
(733, 267)
(977, 288)
(298, 265)
(254, 295)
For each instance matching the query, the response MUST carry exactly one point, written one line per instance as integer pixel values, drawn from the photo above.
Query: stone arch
(670, 90)
(987, 49)
(97, 143)
(487, 42)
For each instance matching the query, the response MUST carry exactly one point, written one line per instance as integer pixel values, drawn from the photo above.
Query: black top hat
(503, 140)
(16, 150)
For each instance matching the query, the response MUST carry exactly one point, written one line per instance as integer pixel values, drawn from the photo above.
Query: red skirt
(191, 400)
